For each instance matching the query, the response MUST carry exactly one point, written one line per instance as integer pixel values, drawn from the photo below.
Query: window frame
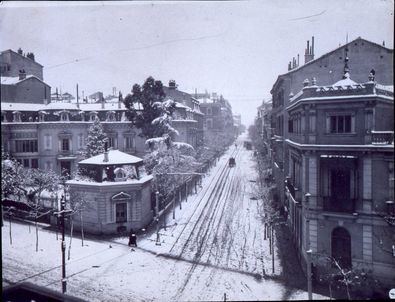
(337, 124)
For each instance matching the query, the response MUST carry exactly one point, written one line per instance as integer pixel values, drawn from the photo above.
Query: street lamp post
(308, 251)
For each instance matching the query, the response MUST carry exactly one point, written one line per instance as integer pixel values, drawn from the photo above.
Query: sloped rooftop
(115, 157)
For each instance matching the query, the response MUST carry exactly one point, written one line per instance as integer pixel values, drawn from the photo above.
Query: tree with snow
(12, 180)
(95, 140)
(143, 107)
(168, 156)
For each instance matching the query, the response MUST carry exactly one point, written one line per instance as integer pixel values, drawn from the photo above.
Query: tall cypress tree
(95, 140)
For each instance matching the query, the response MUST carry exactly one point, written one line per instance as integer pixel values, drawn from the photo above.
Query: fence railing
(382, 137)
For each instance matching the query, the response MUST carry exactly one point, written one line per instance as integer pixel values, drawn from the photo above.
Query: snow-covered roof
(385, 87)
(115, 157)
(16, 80)
(180, 105)
(21, 106)
(60, 106)
(345, 82)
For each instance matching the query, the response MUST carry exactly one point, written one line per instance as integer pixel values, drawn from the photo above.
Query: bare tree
(38, 181)
(78, 202)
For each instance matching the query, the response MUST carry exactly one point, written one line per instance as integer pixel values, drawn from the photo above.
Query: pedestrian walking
(132, 238)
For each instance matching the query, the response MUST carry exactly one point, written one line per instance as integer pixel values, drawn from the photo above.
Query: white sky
(235, 48)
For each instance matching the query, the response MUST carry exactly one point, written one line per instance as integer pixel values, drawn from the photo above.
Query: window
(65, 144)
(80, 141)
(48, 142)
(110, 116)
(120, 212)
(17, 117)
(64, 116)
(26, 163)
(112, 142)
(340, 123)
(35, 163)
(290, 126)
(26, 146)
(129, 143)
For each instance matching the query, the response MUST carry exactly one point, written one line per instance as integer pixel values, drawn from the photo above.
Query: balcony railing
(382, 137)
(331, 204)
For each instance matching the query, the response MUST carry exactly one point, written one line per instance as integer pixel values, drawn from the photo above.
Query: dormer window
(64, 116)
(120, 174)
(93, 116)
(41, 116)
(17, 117)
(110, 116)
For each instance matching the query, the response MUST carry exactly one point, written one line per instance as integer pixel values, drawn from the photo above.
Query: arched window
(64, 116)
(93, 116)
(341, 247)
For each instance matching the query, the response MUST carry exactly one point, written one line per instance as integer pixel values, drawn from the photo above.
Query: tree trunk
(82, 230)
(71, 236)
(29, 229)
(35, 222)
(348, 292)
(330, 291)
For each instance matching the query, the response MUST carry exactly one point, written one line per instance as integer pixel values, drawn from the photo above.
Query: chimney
(298, 60)
(105, 152)
(309, 52)
(289, 65)
(172, 84)
(22, 74)
(383, 43)
(102, 102)
(312, 47)
(119, 100)
(78, 103)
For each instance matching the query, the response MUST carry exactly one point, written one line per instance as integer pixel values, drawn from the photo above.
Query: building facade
(332, 156)
(115, 192)
(340, 186)
(363, 57)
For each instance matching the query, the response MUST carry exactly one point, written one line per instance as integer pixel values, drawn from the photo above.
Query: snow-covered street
(214, 247)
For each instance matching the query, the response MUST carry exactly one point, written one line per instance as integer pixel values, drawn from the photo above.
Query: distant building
(117, 193)
(11, 63)
(24, 89)
(218, 117)
(187, 118)
(96, 97)
(51, 135)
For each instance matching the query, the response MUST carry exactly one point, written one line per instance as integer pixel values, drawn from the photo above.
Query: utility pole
(309, 284)
(62, 213)
(272, 249)
(174, 204)
(157, 217)
(309, 251)
(62, 206)
(180, 195)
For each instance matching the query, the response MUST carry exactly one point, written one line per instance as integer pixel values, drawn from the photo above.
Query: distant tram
(232, 162)
(248, 145)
